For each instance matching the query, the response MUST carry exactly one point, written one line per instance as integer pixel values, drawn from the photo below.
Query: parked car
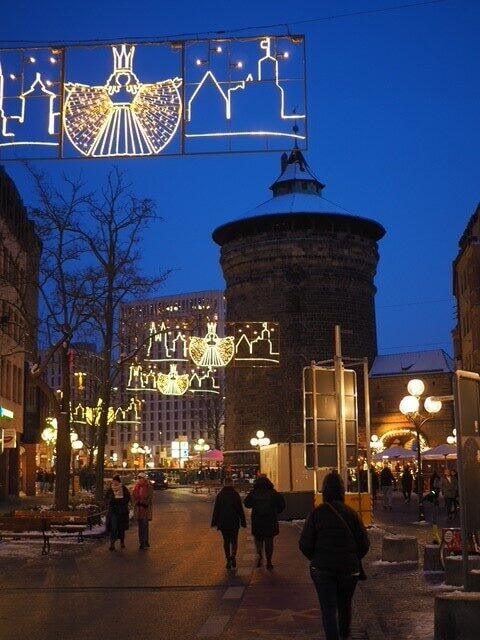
(158, 479)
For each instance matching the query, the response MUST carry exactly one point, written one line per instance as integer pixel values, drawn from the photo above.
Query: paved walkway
(395, 603)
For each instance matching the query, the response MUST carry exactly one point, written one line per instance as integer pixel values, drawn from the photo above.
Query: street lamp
(453, 438)
(76, 446)
(201, 446)
(260, 440)
(410, 407)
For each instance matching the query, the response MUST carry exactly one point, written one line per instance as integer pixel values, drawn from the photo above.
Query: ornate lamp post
(76, 446)
(410, 407)
(200, 446)
(259, 441)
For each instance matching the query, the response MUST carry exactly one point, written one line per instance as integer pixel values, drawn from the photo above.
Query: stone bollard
(457, 616)
(431, 558)
(454, 569)
(399, 549)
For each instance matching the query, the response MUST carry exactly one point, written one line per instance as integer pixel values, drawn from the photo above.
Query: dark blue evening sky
(393, 107)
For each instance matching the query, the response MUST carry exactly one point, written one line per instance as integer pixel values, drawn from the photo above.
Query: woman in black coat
(266, 504)
(117, 499)
(228, 516)
(334, 539)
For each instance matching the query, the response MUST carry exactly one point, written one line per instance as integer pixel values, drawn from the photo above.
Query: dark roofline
(332, 222)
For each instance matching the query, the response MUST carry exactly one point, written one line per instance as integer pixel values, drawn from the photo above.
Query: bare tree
(210, 415)
(63, 294)
(117, 219)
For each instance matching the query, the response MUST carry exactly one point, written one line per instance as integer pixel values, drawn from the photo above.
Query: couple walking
(228, 516)
(117, 501)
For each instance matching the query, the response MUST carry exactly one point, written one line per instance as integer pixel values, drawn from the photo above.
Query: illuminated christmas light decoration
(129, 117)
(131, 414)
(172, 349)
(204, 382)
(173, 384)
(211, 351)
(124, 117)
(256, 342)
(394, 433)
(80, 380)
(37, 89)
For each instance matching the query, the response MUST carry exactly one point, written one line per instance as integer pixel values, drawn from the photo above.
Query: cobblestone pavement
(395, 603)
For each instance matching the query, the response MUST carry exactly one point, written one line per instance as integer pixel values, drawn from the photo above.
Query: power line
(286, 26)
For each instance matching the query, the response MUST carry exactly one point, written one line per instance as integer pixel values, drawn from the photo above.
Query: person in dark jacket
(228, 515)
(334, 539)
(387, 482)
(117, 499)
(407, 484)
(266, 504)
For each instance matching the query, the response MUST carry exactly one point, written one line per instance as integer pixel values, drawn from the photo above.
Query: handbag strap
(343, 522)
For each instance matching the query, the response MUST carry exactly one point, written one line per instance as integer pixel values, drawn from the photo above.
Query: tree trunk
(64, 444)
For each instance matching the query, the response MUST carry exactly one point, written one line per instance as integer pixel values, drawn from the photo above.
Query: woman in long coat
(117, 499)
(142, 511)
(266, 504)
(228, 516)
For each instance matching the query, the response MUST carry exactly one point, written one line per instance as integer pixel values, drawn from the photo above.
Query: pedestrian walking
(407, 483)
(435, 487)
(374, 481)
(228, 516)
(266, 504)
(335, 540)
(449, 489)
(143, 501)
(386, 485)
(117, 499)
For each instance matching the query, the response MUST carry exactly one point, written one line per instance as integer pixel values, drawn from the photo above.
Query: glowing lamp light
(77, 445)
(199, 62)
(374, 438)
(432, 405)
(12, 76)
(415, 387)
(32, 59)
(260, 440)
(409, 405)
(218, 49)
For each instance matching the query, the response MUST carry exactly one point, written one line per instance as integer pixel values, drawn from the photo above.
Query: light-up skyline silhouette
(45, 103)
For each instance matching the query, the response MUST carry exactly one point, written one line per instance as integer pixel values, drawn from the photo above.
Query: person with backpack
(266, 504)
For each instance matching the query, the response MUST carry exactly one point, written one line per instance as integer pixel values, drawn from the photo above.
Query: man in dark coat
(334, 539)
(266, 504)
(228, 515)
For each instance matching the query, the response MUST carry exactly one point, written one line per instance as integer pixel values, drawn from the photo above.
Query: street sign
(322, 424)
(9, 438)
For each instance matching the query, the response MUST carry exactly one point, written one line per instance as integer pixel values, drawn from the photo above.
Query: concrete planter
(454, 569)
(399, 549)
(431, 558)
(457, 616)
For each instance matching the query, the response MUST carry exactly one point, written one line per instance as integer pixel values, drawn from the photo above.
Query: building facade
(466, 289)
(20, 250)
(389, 376)
(295, 261)
(180, 400)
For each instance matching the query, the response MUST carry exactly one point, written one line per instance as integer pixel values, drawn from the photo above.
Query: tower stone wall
(308, 272)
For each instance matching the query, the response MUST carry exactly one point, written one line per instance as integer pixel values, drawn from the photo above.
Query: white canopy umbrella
(441, 452)
(394, 452)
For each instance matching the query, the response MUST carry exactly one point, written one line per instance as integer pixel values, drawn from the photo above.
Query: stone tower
(295, 261)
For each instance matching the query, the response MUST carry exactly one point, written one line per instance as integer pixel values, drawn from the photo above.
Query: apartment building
(180, 400)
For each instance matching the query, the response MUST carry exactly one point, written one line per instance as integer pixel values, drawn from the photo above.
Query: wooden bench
(15, 528)
(51, 524)
(66, 517)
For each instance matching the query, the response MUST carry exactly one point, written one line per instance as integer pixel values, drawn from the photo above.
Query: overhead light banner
(143, 100)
